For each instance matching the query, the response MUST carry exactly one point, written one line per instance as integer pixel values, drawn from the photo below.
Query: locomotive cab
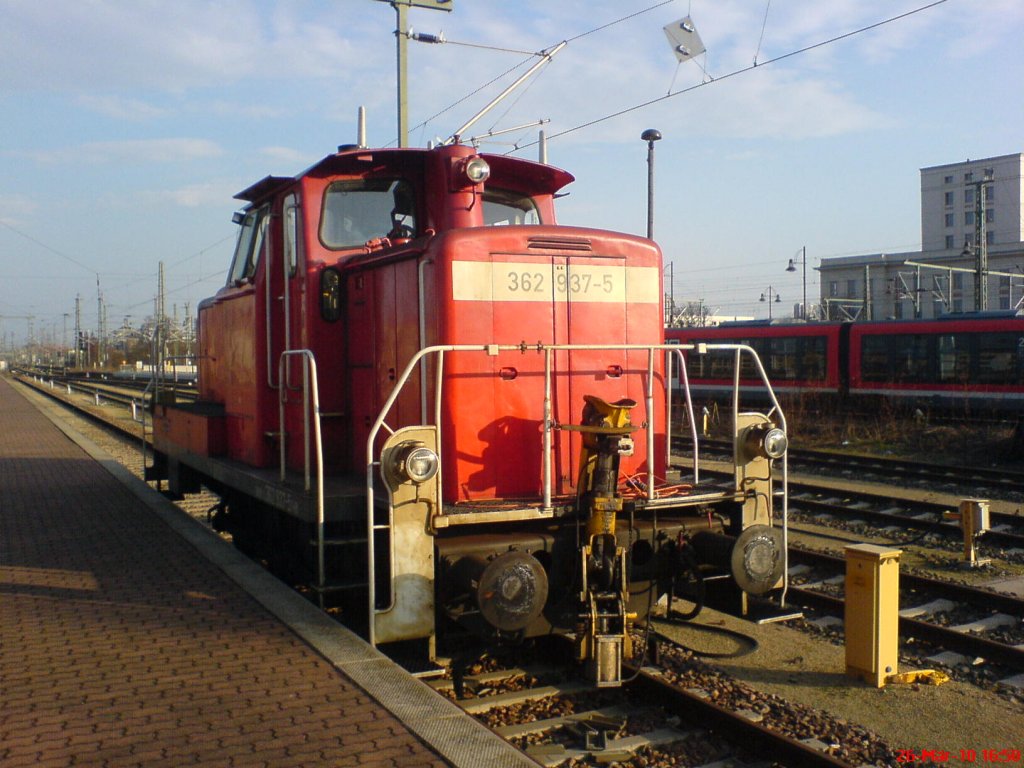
(450, 414)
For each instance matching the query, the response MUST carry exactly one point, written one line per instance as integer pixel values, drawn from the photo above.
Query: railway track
(676, 711)
(884, 513)
(996, 482)
(123, 392)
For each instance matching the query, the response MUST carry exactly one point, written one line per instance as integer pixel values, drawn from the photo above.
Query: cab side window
(358, 210)
(249, 245)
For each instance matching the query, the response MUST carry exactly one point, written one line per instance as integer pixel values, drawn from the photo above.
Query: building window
(949, 219)
(969, 176)
(947, 179)
(969, 196)
(990, 193)
(969, 219)
(989, 172)
(949, 198)
(990, 215)
(833, 289)
(958, 281)
(958, 305)
(990, 238)
(949, 242)
(851, 289)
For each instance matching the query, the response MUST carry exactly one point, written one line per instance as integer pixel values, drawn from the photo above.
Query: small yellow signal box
(872, 612)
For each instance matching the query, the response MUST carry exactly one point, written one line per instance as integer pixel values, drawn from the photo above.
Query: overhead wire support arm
(546, 57)
(474, 140)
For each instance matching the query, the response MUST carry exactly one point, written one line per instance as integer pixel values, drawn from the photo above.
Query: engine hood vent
(554, 242)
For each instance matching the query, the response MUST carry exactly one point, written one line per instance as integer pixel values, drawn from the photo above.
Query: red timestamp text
(960, 756)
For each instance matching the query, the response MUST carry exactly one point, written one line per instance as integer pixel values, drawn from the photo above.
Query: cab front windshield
(504, 208)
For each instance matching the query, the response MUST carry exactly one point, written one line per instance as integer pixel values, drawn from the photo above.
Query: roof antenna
(361, 136)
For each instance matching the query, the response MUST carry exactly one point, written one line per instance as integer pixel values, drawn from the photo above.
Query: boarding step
(346, 542)
(336, 587)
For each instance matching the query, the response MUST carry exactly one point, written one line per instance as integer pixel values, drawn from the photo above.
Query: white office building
(972, 250)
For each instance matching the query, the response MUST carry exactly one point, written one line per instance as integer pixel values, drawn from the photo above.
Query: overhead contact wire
(774, 60)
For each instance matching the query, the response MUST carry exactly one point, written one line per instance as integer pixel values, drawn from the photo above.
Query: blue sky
(127, 126)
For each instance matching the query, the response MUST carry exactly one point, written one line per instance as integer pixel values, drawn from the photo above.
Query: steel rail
(947, 637)
(782, 748)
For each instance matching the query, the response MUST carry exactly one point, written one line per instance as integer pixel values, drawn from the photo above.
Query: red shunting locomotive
(450, 415)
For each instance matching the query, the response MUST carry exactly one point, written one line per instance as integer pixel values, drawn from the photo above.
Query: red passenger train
(959, 361)
(450, 414)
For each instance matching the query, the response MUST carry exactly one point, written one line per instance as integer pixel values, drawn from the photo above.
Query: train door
(593, 298)
(284, 294)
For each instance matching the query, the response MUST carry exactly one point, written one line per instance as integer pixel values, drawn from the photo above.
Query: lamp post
(769, 299)
(651, 135)
(792, 268)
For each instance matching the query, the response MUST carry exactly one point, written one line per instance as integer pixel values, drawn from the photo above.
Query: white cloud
(109, 45)
(131, 151)
(288, 157)
(121, 108)
(16, 208)
(215, 193)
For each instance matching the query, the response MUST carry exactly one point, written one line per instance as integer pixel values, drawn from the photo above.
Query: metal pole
(402, 35)
(804, 258)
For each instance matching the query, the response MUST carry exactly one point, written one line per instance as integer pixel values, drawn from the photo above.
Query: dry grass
(959, 439)
(946, 438)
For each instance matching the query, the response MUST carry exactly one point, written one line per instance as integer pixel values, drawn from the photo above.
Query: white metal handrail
(776, 408)
(310, 411)
(674, 350)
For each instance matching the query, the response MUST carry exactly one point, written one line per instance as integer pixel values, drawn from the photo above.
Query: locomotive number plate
(525, 281)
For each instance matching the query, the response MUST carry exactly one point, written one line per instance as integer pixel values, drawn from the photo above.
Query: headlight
(476, 170)
(766, 441)
(775, 443)
(416, 462)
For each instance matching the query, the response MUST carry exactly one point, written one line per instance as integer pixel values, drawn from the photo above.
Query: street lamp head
(968, 249)
(651, 135)
(763, 298)
(791, 267)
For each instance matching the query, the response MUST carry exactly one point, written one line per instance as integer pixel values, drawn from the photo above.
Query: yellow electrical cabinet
(872, 612)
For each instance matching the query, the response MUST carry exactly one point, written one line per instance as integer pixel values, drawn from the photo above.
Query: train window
(502, 208)
(898, 358)
(358, 210)
(1000, 358)
(781, 361)
(291, 233)
(249, 245)
(812, 363)
(954, 355)
(918, 360)
(875, 358)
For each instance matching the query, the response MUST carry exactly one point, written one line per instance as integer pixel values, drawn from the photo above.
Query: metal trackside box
(872, 612)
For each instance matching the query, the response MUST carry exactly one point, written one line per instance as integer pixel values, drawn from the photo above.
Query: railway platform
(131, 635)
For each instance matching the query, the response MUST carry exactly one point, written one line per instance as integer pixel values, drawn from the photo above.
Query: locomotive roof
(530, 176)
